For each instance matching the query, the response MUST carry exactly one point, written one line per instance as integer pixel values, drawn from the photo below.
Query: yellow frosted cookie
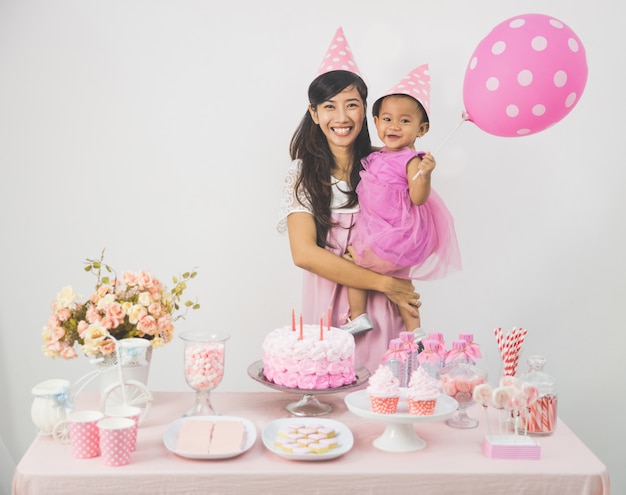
(285, 432)
(289, 447)
(328, 432)
(331, 443)
(319, 448)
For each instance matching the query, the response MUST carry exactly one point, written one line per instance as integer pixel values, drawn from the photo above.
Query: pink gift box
(511, 447)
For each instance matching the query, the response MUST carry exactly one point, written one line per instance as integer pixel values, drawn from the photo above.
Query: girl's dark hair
(309, 144)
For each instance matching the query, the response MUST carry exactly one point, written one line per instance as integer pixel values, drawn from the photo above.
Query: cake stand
(399, 434)
(309, 404)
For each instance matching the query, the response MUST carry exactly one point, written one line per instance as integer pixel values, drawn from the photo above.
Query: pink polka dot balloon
(526, 75)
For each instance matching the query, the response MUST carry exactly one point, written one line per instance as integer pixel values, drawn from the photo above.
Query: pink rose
(68, 353)
(154, 309)
(107, 347)
(108, 323)
(116, 312)
(57, 333)
(55, 346)
(129, 278)
(93, 315)
(82, 326)
(64, 314)
(164, 323)
(144, 280)
(147, 324)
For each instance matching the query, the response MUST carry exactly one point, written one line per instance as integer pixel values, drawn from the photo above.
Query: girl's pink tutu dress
(392, 235)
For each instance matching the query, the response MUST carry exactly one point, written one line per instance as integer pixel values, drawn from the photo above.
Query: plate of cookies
(307, 439)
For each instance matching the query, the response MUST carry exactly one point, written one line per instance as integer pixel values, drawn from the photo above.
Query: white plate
(344, 438)
(170, 437)
(359, 403)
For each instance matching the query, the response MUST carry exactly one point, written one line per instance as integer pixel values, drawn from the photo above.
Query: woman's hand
(402, 293)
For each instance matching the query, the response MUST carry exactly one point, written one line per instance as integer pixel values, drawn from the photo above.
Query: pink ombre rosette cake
(383, 391)
(301, 359)
(422, 393)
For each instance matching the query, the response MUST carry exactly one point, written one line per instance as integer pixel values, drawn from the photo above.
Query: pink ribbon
(454, 354)
(394, 354)
(429, 356)
(410, 346)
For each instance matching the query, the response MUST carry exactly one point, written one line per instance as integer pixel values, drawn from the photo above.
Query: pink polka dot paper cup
(84, 434)
(130, 412)
(115, 440)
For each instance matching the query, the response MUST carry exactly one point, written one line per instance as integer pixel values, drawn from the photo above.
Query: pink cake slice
(195, 437)
(228, 437)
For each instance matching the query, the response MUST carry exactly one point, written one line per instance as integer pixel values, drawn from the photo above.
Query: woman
(318, 209)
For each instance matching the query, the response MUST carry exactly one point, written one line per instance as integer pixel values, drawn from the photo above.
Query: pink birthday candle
(328, 319)
(300, 338)
(293, 320)
(321, 328)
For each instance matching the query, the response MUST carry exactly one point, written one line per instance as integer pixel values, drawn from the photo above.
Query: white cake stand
(399, 435)
(309, 404)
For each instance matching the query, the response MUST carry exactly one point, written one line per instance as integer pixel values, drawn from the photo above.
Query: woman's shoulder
(294, 166)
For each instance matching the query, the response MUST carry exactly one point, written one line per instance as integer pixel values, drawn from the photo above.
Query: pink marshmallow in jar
(204, 365)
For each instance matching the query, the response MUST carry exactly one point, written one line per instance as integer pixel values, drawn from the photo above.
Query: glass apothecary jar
(542, 414)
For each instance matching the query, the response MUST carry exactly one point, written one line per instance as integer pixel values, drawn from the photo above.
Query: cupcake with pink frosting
(384, 391)
(422, 393)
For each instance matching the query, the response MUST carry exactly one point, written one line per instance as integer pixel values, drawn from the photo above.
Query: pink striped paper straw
(519, 340)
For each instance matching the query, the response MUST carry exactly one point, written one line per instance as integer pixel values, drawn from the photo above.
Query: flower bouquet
(136, 305)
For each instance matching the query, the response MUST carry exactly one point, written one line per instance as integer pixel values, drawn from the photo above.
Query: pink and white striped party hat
(416, 84)
(338, 56)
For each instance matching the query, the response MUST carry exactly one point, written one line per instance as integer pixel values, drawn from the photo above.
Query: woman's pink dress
(394, 236)
(319, 294)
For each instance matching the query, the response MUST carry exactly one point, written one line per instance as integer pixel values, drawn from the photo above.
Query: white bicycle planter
(118, 392)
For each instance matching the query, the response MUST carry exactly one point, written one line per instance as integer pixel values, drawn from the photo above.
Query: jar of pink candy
(458, 378)
(541, 417)
(204, 367)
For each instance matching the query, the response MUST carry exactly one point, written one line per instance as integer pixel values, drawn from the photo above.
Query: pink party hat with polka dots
(416, 84)
(338, 56)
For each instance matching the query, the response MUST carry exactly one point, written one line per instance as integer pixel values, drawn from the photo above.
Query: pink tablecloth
(451, 463)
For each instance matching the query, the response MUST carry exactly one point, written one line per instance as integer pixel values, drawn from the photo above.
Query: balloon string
(419, 172)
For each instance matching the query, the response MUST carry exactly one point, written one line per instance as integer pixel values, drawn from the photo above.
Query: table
(451, 463)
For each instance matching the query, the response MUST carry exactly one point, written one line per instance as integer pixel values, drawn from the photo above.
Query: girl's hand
(427, 164)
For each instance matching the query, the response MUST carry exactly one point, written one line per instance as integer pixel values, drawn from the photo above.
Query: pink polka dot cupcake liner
(384, 405)
(422, 407)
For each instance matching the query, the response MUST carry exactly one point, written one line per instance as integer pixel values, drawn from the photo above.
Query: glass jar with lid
(542, 414)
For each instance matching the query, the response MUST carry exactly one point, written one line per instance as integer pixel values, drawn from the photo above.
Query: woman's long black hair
(309, 144)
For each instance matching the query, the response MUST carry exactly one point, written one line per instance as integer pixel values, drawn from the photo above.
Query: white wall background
(160, 129)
